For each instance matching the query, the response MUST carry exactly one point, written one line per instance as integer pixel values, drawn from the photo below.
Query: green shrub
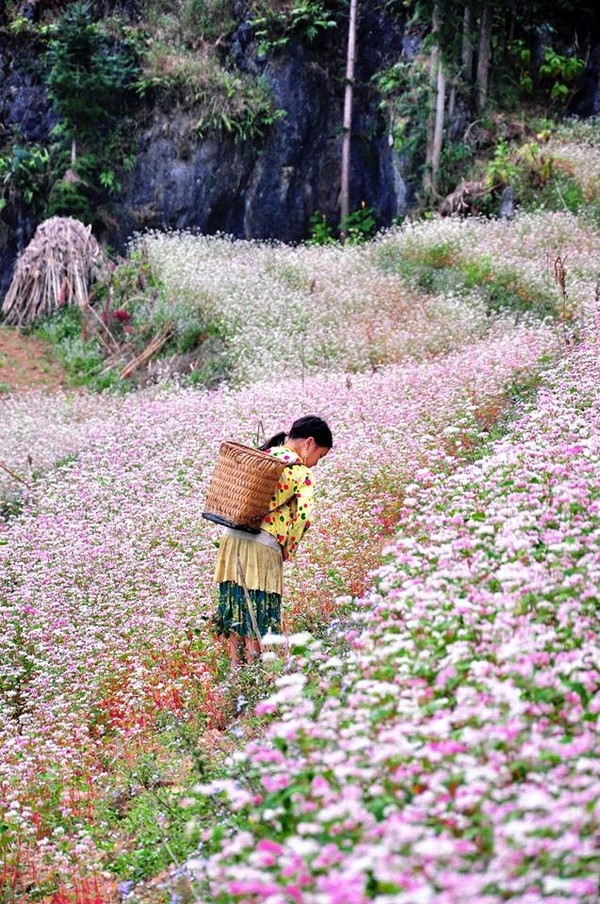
(220, 99)
(71, 199)
(25, 171)
(437, 269)
(359, 225)
(65, 326)
(211, 19)
(504, 291)
(82, 359)
(89, 68)
(275, 27)
(455, 157)
(320, 232)
(131, 308)
(190, 337)
(404, 93)
(189, 22)
(562, 192)
(559, 73)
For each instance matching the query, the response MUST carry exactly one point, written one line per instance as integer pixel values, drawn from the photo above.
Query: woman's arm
(300, 512)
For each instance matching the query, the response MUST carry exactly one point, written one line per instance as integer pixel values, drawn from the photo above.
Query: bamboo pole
(244, 586)
(14, 475)
(153, 346)
(347, 123)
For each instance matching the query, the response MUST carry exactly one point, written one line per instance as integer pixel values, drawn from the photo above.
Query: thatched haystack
(57, 268)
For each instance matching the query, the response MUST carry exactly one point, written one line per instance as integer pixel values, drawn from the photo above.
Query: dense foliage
(104, 65)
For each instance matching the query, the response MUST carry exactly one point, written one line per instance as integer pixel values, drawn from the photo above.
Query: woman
(261, 556)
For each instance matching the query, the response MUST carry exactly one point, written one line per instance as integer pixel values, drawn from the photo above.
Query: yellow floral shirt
(292, 502)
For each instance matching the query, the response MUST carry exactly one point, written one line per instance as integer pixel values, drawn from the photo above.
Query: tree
(435, 125)
(347, 122)
(89, 76)
(467, 44)
(90, 80)
(484, 56)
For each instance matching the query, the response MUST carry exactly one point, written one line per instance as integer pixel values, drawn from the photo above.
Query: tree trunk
(438, 131)
(347, 124)
(467, 45)
(435, 126)
(451, 101)
(484, 56)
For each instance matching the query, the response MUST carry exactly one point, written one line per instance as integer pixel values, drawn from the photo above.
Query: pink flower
(121, 315)
(320, 786)
(275, 782)
(272, 847)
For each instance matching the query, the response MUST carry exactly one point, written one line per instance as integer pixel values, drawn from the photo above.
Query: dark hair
(306, 426)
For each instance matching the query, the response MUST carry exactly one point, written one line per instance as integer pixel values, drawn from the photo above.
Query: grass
(437, 270)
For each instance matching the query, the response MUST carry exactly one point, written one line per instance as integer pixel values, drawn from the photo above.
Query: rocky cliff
(264, 188)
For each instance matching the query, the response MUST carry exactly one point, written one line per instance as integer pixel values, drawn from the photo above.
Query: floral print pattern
(291, 504)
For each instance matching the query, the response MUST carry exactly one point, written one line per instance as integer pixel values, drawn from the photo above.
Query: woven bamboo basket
(241, 487)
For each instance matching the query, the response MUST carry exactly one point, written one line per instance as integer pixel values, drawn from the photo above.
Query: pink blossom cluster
(108, 572)
(37, 430)
(452, 755)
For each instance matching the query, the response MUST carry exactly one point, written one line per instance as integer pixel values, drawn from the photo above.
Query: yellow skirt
(256, 561)
(261, 562)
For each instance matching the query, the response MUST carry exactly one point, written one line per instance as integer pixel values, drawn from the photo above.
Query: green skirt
(234, 614)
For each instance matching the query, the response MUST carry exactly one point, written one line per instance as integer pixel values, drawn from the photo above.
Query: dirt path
(28, 363)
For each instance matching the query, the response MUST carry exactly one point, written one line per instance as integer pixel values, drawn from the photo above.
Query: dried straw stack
(57, 268)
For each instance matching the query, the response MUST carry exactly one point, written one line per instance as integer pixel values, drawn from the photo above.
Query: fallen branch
(103, 332)
(151, 349)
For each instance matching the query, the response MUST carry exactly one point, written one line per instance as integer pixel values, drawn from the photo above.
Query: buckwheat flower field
(453, 753)
(311, 309)
(442, 742)
(307, 311)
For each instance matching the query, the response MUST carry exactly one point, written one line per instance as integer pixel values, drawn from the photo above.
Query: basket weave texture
(241, 486)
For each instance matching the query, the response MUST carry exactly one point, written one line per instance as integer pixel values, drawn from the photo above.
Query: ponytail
(277, 440)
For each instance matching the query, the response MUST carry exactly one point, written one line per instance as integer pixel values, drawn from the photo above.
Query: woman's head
(310, 436)
(311, 425)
